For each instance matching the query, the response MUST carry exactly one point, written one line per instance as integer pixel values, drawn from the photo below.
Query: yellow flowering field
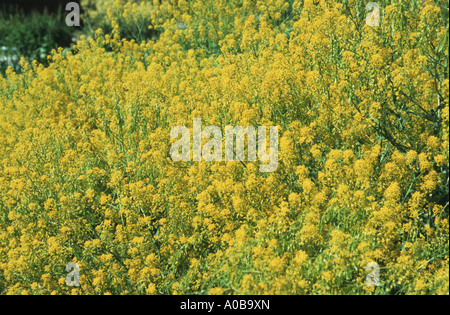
(361, 106)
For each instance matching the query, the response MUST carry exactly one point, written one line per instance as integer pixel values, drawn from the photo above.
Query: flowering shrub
(132, 16)
(362, 114)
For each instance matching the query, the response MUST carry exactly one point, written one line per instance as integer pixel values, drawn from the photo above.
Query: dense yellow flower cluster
(362, 112)
(104, 8)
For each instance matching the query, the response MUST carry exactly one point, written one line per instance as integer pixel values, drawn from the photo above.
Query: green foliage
(32, 36)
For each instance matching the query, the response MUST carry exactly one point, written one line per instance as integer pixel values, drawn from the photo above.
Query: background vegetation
(30, 35)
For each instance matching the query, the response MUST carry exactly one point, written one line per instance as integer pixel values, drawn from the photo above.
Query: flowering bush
(132, 16)
(362, 113)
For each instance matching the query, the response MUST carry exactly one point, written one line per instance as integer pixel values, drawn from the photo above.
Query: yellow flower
(393, 192)
(216, 291)
(151, 289)
(276, 265)
(90, 193)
